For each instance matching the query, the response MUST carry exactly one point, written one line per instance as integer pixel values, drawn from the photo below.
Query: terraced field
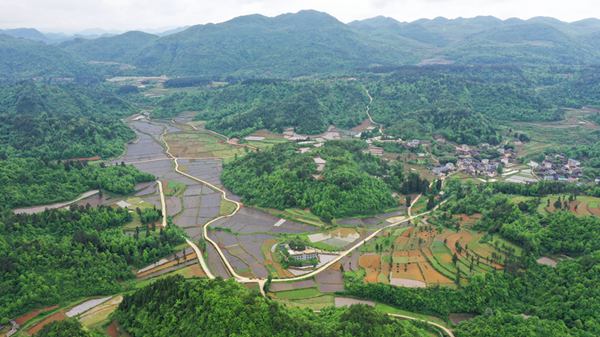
(420, 256)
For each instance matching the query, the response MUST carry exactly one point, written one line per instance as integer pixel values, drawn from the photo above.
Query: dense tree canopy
(26, 182)
(61, 122)
(66, 328)
(352, 182)
(309, 106)
(198, 307)
(58, 255)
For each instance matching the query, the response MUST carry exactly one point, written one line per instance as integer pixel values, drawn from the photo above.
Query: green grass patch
(265, 143)
(297, 215)
(313, 303)
(172, 188)
(297, 294)
(391, 310)
(226, 207)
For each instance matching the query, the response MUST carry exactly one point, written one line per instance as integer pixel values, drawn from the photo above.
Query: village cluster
(557, 167)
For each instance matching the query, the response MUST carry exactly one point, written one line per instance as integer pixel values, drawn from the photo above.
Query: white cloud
(70, 15)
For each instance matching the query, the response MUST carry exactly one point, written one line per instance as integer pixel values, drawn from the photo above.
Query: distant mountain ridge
(311, 42)
(23, 59)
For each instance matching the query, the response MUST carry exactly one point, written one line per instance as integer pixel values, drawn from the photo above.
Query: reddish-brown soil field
(371, 263)
(468, 220)
(59, 316)
(593, 211)
(412, 272)
(32, 314)
(189, 257)
(463, 237)
(432, 276)
(362, 126)
(112, 330)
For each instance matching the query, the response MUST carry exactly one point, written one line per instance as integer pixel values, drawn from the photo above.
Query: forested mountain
(21, 58)
(528, 43)
(292, 44)
(310, 42)
(61, 122)
(306, 43)
(120, 48)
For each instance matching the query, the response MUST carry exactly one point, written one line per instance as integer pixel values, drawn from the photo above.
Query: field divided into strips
(201, 145)
(270, 261)
(581, 206)
(574, 129)
(419, 256)
(298, 215)
(310, 298)
(264, 139)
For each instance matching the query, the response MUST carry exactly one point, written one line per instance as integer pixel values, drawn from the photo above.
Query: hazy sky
(75, 15)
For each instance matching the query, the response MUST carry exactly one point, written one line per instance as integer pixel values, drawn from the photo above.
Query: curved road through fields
(261, 282)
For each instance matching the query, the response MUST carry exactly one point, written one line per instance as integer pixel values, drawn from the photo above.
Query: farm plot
(581, 206)
(372, 222)
(205, 169)
(330, 280)
(201, 145)
(271, 263)
(420, 256)
(215, 264)
(337, 238)
(310, 298)
(264, 139)
(371, 263)
(144, 148)
(250, 220)
(21, 320)
(413, 265)
(297, 215)
(57, 316)
(200, 204)
(247, 250)
(98, 315)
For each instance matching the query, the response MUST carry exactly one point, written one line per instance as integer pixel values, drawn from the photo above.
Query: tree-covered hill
(352, 182)
(60, 255)
(462, 103)
(25, 33)
(199, 307)
(528, 43)
(23, 59)
(31, 181)
(61, 122)
(310, 106)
